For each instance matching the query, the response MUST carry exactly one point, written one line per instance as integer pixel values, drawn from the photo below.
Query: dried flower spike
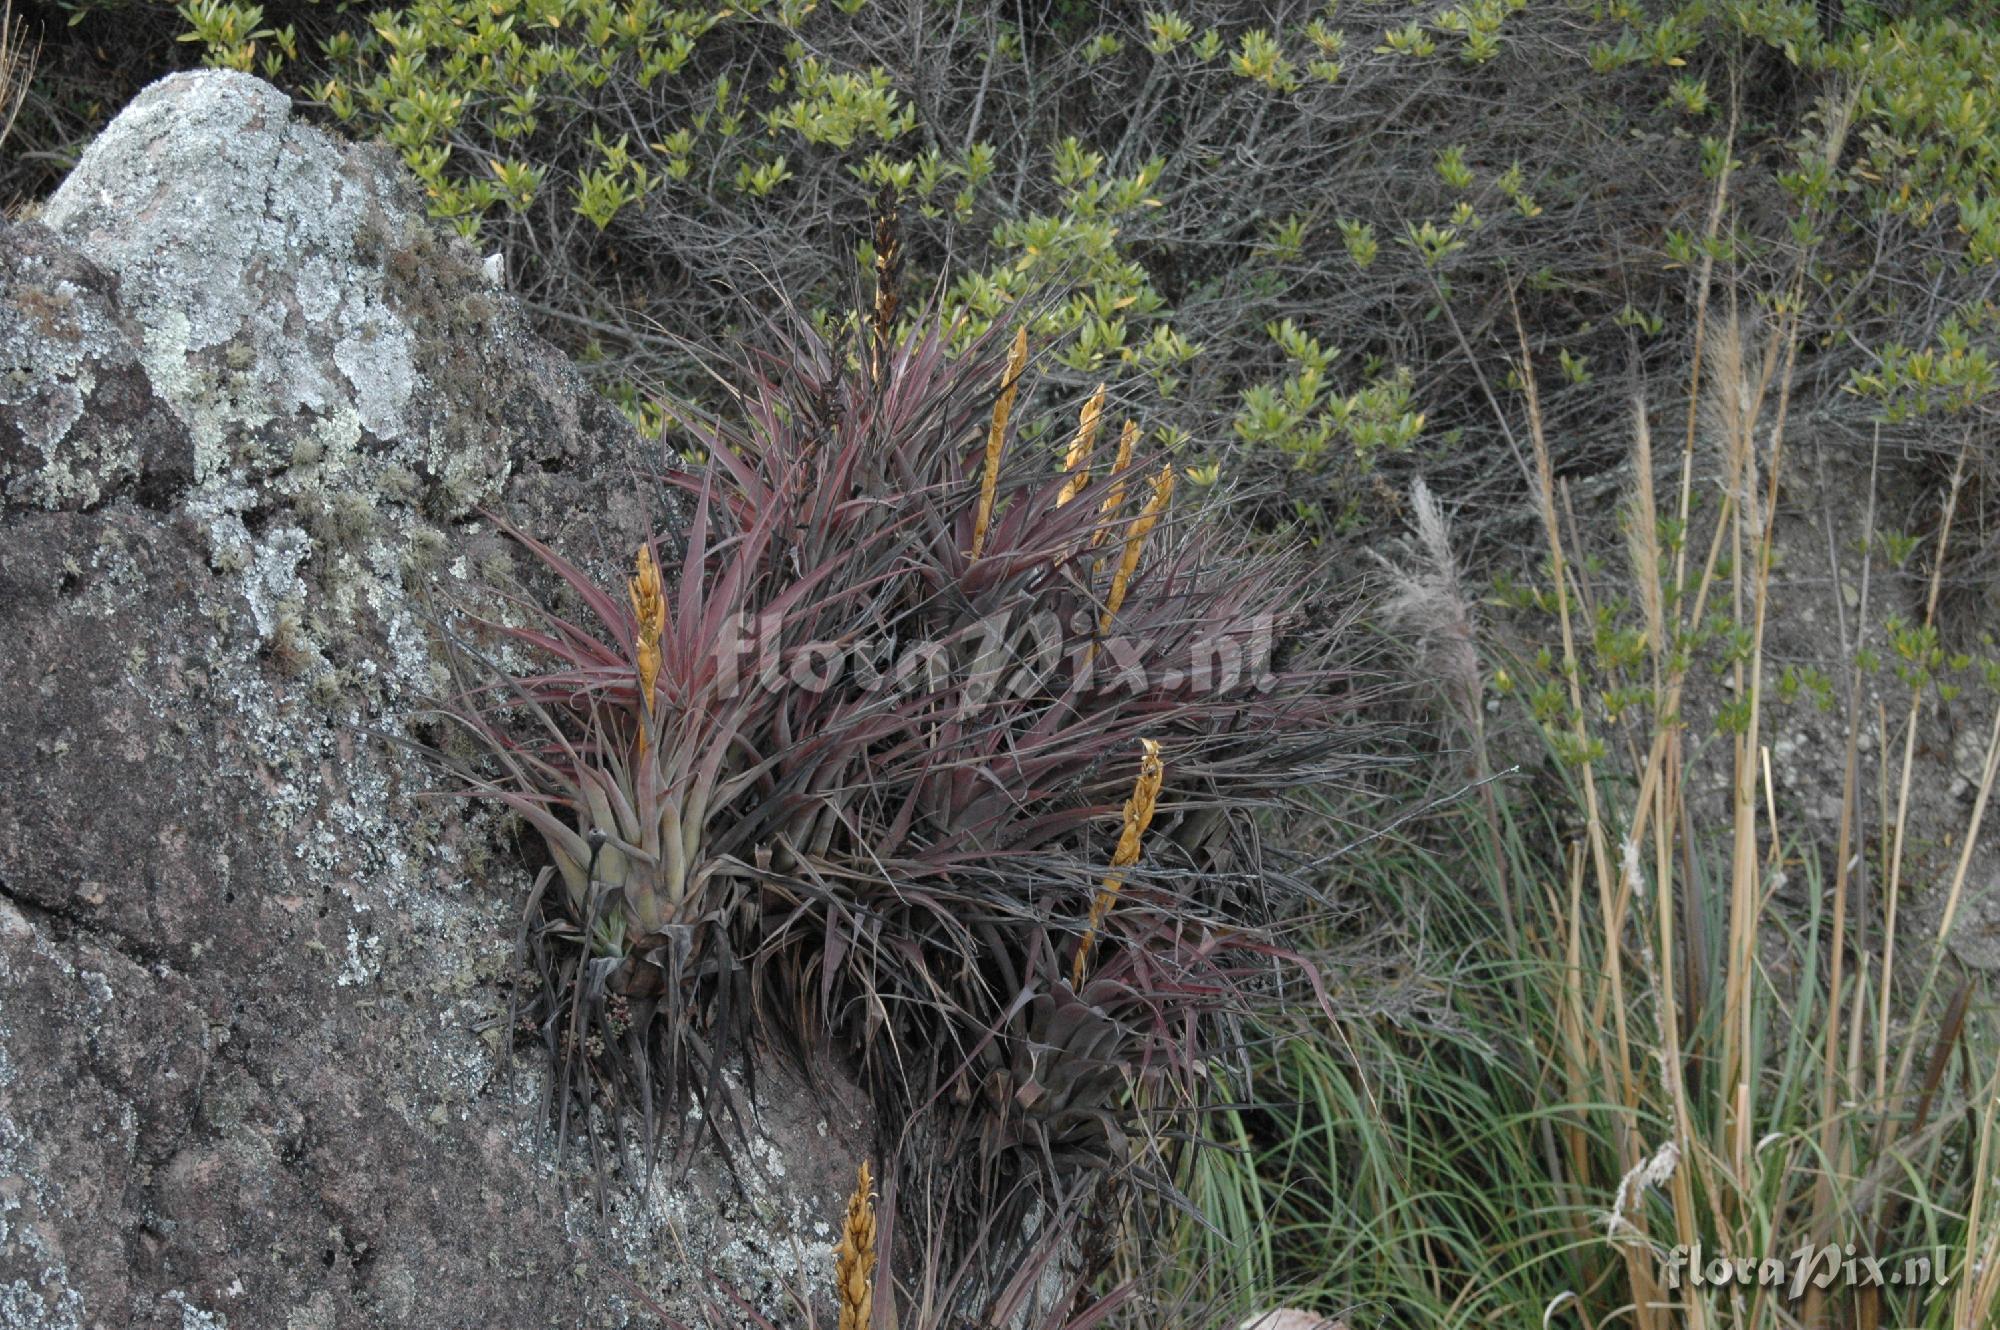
(1135, 544)
(1138, 816)
(649, 614)
(1128, 438)
(996, 439)
(1077, 463)
(854, 1258)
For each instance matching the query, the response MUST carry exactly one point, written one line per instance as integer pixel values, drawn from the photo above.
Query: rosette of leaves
(844, 769)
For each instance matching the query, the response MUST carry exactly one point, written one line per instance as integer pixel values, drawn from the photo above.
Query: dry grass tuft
(17, 63)
(1665, 1004)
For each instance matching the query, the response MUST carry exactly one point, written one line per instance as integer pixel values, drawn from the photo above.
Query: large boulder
(252, 988)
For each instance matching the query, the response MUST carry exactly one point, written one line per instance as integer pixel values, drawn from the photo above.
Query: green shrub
(637, 159)
(1161, 186)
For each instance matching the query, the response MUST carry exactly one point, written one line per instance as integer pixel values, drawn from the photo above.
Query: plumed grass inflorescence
(848, 773)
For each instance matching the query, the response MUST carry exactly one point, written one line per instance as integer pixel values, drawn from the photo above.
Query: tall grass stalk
(1692, 1035)
(17, 64)
(1729, 1101)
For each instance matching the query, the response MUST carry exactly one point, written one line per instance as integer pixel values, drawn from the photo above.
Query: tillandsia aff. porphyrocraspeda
(864, 756)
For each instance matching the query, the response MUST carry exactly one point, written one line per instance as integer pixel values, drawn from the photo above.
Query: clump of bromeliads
(925, 742)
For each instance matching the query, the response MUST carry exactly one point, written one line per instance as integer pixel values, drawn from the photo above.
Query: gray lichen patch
(63, 347)
(763, 1232)
(339, 371)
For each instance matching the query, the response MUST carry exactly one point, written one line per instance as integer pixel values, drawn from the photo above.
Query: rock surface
(249, 985)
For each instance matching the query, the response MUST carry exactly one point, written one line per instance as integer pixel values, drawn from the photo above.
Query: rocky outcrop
(252, 988)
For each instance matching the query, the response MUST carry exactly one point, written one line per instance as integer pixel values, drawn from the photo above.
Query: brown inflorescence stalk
(1128, 438)
(854, 1258)
(1135, 544)
(1138, 816)
(1077, 463)
(888, 269)
(996, 439)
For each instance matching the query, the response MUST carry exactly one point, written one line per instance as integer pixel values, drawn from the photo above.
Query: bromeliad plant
(843, 767)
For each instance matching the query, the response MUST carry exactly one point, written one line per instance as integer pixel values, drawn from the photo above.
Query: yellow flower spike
(1138, 816)
(1128, 439)
(1135, 544)
(854, 1258)
(996, 438)
(1077, 464)
(649, 612)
